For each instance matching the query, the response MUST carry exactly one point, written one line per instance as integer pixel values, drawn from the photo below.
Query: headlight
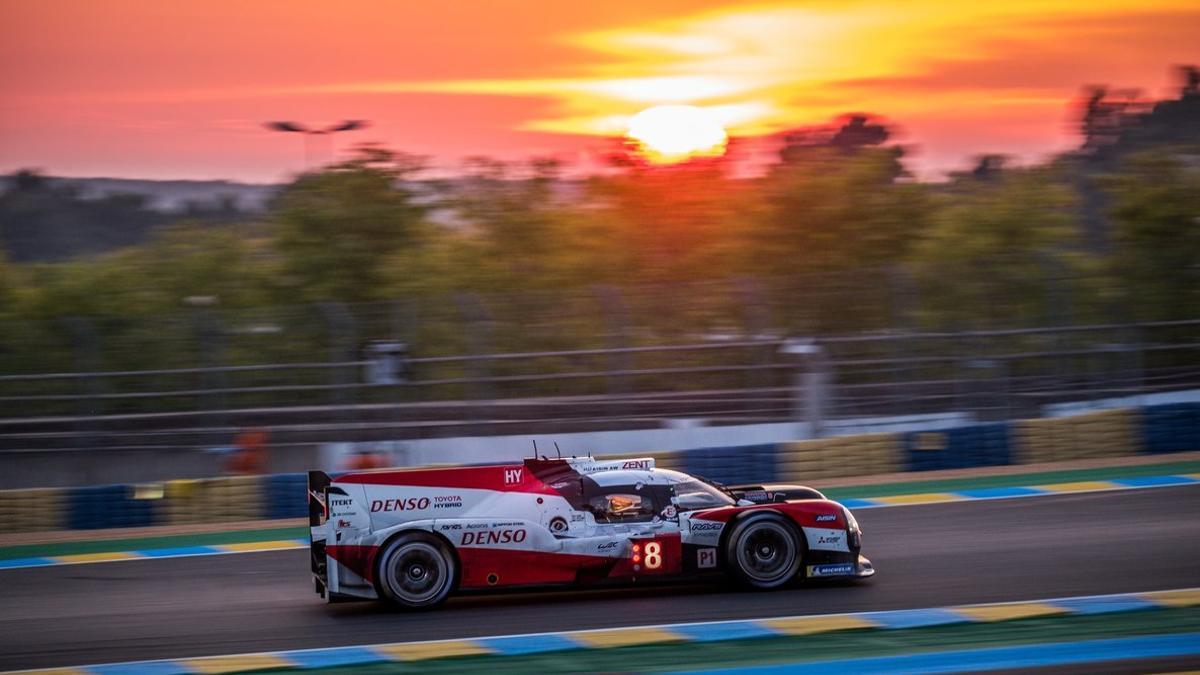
(851, 523)
(855, 536)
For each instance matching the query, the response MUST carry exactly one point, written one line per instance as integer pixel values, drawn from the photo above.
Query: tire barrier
(1165, 428)
(732, 465)
(858, 455)
(966, 447)
(286, 495)
(109, 506)
(213, 500)
(33, 510)
(1174, 427)
(1108, 433)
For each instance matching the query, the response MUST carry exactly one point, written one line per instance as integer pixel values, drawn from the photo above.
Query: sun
(668, 134)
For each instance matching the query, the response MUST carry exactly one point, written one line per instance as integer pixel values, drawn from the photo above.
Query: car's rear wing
(318, 509)
(318, 513)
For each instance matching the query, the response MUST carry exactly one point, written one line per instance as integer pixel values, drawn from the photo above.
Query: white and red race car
(414, 536)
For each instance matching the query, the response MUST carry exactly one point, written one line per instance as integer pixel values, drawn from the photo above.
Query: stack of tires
(32, 510)
(858, 455)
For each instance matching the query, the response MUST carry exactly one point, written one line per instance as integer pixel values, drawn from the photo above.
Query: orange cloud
(90, 84)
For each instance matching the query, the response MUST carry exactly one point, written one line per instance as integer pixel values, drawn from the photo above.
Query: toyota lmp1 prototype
(414, 536)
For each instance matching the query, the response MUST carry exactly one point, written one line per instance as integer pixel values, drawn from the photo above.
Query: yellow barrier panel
(214, 500)
(32, 510)
(1108, 433)
(858, 455)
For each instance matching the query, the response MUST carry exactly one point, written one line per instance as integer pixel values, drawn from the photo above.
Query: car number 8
(653, 555)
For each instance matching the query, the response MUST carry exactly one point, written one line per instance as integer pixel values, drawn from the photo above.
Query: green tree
(665, 223)
(828, 225)
(1155, 201)
(339, 229)
(998, 249)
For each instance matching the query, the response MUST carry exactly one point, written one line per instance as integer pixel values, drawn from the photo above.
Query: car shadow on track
(552, 597)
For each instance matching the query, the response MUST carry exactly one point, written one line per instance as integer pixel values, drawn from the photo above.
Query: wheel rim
(417, 572)
(767, 552)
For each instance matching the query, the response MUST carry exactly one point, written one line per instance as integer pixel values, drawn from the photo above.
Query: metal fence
(735, 376)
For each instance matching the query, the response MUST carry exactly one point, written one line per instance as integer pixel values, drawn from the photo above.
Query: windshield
(623, 504)
(691, 495)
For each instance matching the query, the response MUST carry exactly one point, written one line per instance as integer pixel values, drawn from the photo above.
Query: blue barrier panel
(286, 495)
(959, 448)
(732, 464)
(1173, 427)
(104, 506)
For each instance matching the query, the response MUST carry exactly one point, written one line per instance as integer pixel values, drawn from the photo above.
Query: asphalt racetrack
(931, 555)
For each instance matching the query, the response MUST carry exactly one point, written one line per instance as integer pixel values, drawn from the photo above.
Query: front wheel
(417, 571)
(764, 551)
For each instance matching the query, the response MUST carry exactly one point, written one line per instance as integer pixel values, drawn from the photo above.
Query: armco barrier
(1154, 429)
(1174, 427)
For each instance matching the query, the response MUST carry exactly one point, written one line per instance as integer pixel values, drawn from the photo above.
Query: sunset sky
(180, 88)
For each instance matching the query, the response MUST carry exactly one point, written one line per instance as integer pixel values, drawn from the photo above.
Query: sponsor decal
(706, 558)
(577, 518)
(607, 546)
(513, 476)
(826, 518)
(341, 506)
(451, 526)
(758, 496)
(835, 570)
(826, 539)
(344, 523)
(558, 525)
(410, 504)
(447, 502)
(704, 526)
(494, 537)
(590, 466)
(476, 526)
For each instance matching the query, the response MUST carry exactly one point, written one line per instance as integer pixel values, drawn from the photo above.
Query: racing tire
(764, 550)
(416, 571)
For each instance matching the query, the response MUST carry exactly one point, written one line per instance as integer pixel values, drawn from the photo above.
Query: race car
(413, 537)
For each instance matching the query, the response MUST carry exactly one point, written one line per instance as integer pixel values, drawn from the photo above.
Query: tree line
(837, 232)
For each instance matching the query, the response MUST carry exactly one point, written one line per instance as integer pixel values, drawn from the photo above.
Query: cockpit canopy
(639, 495)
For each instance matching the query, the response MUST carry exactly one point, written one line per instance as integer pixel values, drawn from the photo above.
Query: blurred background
(682, 293)
(909, 253)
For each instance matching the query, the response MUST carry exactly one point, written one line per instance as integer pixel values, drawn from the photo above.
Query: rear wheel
(764, 550)
(417, 571)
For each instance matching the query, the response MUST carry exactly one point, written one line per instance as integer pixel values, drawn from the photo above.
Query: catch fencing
(722, 379)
